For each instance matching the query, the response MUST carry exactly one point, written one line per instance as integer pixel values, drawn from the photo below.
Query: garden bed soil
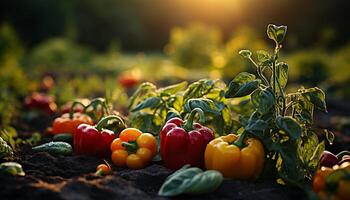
(73, 178)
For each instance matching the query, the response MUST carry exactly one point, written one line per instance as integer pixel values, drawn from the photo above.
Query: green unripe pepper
(55, 148)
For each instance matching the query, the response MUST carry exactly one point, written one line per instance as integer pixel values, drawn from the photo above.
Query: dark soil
(72, 177)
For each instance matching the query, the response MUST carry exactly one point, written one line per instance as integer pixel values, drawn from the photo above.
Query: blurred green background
(90, 48)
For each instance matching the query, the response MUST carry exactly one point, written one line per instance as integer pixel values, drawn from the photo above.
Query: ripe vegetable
(95, 140)
(103, 169)
(133, 148)
(333, 183)
(235, 157)
(11, 168)
(328, 159)
(191, 181)
(184, 142)
(55, 148)
(68, 123)
(41, 101)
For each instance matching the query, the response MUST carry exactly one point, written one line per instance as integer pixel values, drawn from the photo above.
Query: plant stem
(259, 71)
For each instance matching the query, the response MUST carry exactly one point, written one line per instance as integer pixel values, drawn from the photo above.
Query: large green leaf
(317, 97)
(263, 100)
(290, 126)
(242, 85)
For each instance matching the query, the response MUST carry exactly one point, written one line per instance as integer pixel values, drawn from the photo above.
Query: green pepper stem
(189, 122)
(98, 101)
(130, 146)
(71, 110)
(240, 142)
(104, 121)
(342, 153)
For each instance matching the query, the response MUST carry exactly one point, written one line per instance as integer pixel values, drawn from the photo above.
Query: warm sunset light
(174, 99)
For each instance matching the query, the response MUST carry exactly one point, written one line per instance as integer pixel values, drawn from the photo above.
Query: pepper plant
(150, 107)
(281, 120)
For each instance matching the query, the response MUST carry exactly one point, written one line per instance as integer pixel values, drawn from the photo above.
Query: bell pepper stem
(240, 142)
(189, 122)
(342, 153)
(74, 104)
(130, 146)
(104, 121)
(99, 101)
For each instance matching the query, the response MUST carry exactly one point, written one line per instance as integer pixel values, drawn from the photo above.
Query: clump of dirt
(72, 178)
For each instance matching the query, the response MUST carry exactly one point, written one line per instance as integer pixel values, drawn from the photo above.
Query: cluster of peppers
(181, 142)
(332, 180)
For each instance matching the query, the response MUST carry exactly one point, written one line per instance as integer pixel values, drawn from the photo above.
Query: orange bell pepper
(68, 123)
(133, 148)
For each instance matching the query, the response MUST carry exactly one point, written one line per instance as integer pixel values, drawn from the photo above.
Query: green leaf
(173, 89)
(263, 100)
(263, 56)
(315, 158)
(205, 182)
(144, 122)
(204, 88)
(256, 125)
(276, 33)
(290, 126)
(179, 182)
(310, 150)
(191, 181)
(282, 75)
(206, 105)
(144, 91)
(242, 85)
(317, 97)
(245, 53)
(151, 102)
(303, 110)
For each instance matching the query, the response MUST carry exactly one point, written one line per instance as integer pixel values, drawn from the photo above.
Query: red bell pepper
(184, 142)
(41, 101)
(94, 140)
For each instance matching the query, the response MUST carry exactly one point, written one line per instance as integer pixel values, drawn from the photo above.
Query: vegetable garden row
(191, 129)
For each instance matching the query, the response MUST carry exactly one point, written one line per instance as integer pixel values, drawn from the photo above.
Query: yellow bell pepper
(235, 157)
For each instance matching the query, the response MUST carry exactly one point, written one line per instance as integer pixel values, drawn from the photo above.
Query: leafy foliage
(151, 107)
(282, 121)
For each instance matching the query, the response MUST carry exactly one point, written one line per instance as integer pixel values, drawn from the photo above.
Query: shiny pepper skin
(184, 142)
(69, 123)
(94, 140)
(232, 161)
(133, 149)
